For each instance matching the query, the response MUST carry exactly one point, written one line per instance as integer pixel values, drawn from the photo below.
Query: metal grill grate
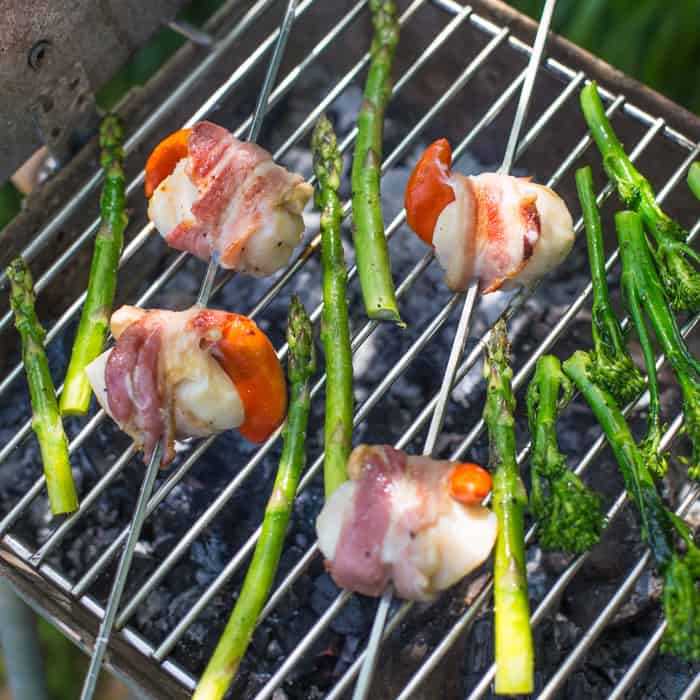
(499, 41)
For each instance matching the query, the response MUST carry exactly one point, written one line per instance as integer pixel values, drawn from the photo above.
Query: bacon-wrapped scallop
(415, 521)
(501, 230)
(215, 196)
(181, 374)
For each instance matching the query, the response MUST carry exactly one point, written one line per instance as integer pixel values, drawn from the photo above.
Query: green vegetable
(94, 320)
(660, 527)
(568, 514)
(694, 179)
(645, 299)
(613, 367)
(513, 634)
(368, 224)
(46, 419)
(335, 328)
(223, 665)
(675, 259)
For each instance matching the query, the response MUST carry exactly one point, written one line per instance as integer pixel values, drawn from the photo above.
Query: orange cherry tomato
(164, 158)
(248, 357)
(469, 483)
(427, 193)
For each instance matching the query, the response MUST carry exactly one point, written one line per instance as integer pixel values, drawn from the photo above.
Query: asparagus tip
(498, 348)
(302, 358)
(111, 131)
(328, 161)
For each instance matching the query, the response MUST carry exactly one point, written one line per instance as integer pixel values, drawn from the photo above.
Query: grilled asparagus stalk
(371, 249)
(94, 320)
(514, 648)
(223, 665)
(46, 419)
(335, 328)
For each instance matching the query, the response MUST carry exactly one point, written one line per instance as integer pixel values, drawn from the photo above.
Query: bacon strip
(133, 381)
(239, 186)
(358, 563)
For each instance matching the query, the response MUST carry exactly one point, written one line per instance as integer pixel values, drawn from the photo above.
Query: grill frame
(48, 590)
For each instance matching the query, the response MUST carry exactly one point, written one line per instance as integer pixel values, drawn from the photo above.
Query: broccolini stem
(613, 367)
(694, 179)
(335, 327)
(659, 525)
(371, 248)
(634, 189)
(542, 409)
(223, 665)
(513, 634)
(568, 514)
(676, 260)
(46, 419)
(639, 481)
(94, 320)
(644, 292)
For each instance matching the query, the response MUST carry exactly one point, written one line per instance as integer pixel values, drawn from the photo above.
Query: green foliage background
(655, 41)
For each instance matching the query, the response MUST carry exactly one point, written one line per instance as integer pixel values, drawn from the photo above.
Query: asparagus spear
(46, 419)
(94, 320)
(675, 259)
(368, 225)
(694, 179)
(335, 328)
(223, 665)
(514, 649)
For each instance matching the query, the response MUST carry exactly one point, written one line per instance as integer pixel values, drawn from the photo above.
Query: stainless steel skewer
(105, 631)
(364, 680)
(120, 577)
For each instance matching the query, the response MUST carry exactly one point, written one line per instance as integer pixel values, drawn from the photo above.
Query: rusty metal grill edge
(131, 654)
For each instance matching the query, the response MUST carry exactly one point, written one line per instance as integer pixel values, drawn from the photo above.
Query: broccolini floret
(675, 259)
(661, 529)
(567, 513)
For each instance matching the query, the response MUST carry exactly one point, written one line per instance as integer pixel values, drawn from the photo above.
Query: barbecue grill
(459, 69)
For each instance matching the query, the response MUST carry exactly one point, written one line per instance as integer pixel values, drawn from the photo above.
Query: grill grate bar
(691, 692)
(639, 663)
